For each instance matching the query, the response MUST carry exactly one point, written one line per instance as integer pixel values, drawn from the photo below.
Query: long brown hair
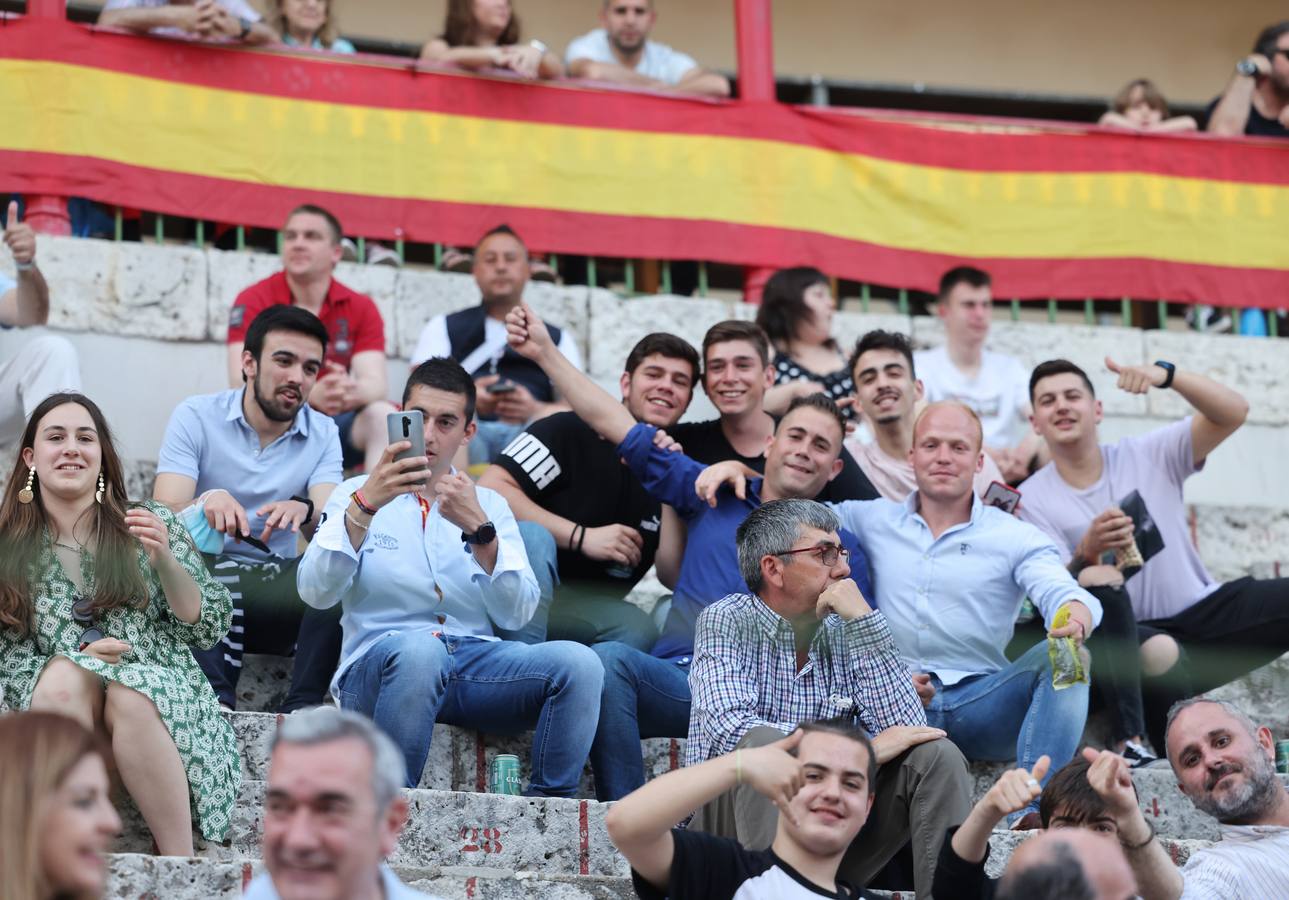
(327, 34)
(117, 579)
(461, 30)
(39, 750)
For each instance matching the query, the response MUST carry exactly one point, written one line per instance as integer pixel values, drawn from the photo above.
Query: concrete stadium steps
(141, 876)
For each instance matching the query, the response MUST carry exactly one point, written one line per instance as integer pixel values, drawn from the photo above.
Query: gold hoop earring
(98, 495)
(26, 495)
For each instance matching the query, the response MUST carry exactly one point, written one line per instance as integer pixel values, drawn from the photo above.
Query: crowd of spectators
(836, 646)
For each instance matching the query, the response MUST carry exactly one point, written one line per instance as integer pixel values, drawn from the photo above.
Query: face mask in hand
(203, 534)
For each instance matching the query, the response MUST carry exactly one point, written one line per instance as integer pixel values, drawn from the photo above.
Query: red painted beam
(47, 9)
(754, 22)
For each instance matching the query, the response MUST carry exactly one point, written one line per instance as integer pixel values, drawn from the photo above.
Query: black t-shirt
(566, 468)
(1257, 126)
(957, 879)
(712, 868)
(706, 442)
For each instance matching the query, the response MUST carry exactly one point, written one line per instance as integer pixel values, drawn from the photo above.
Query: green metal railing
(631, 279)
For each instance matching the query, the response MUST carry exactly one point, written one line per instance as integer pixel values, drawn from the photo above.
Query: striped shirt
(745, 675)
(1251, 862)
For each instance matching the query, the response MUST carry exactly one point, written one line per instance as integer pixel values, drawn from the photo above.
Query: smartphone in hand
(1003, 496)
(408, 425)
(500, 387)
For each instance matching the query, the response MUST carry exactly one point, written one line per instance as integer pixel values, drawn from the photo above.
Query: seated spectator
(59, 823)
(512, 391)
(950, 574)
(822, 776)
(207, 20)
(588, 523)
(308, 23)
(647, 694)
(1139, 106)
(796, 313)
(1256, 99)
(992, 384)
(1225, 765)
(621, 52)
(101, 600)
(736, 377)
(419, 645)
(801, 606)
(887, 390)
(327, 759)
(484, 34)
(1097, 501)
(44, 364)
(1068, 801)
(251, 465)
(353, 386)
(1070, 865)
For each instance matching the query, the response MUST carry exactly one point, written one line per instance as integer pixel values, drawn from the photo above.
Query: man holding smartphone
(255, 463)
(423, 563)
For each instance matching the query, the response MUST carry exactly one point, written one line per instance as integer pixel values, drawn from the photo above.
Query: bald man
(949, 573)
(1068, 865)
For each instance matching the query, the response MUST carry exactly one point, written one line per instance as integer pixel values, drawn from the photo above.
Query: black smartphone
(408, 425)
(500, 387)
(1003, 496)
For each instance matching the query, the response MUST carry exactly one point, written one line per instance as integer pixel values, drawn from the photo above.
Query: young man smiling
(821, 778)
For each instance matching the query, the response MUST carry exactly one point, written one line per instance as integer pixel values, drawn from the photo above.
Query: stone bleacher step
(550, 836)
(172, 878)
(1003, 843)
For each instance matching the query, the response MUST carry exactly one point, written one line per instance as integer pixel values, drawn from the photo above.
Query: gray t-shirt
(658, 60)
(1155, 465)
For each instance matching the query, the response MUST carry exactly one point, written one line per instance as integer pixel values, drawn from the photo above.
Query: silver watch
(539, 46)
(1247, 68)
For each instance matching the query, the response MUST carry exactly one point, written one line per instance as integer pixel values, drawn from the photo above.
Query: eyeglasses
(828, 553)
(83, 614)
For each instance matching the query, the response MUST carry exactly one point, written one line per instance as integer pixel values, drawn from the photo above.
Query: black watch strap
(308, 517)
(1170, 369)
(486, 534)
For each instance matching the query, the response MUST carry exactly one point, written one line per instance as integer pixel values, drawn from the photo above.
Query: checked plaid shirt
(745, 674)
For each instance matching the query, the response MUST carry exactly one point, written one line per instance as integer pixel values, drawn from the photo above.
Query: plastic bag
(1067, 661)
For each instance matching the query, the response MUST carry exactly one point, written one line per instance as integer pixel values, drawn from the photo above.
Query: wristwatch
(308, 517)
(1170, 369)
(247, 25)
(486, 534)
(1247, 68)
(539, 46)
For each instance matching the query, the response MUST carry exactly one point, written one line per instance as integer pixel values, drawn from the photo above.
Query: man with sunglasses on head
(804, 643)
(248, 469)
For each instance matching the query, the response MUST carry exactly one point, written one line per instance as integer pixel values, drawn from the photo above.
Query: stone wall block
(616, 325)
(230, 273)
(379, 283)
(1086, 346)
(81, 276)
(1230, 540)
(420, 296)
(849, 327)
(1256, 368)
(157, 292)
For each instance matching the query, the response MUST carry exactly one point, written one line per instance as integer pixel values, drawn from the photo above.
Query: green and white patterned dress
(160, 664)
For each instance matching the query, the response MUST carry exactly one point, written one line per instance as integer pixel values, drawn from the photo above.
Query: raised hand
(19, 237)
(1136, 379)
(527, 334)
(150, 531)
(709, 481)
(392, 477)
(282, 514)
(1015, 790)
(226, 515)
(774, 772)
(459, 501)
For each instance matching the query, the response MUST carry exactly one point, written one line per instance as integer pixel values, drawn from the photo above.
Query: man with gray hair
(333, 811)
(805, 644)
(1225, 765)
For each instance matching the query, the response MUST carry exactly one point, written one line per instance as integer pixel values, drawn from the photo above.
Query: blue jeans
(1013, 713)
(407, 681)
(644, 697)
(580, 613)
(491, 438)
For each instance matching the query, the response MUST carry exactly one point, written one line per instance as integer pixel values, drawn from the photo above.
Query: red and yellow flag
(242, 136)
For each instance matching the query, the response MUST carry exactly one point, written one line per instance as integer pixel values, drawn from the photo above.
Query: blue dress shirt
(952, 601)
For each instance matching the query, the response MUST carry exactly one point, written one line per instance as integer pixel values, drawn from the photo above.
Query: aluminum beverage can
(503, 775)
(1282, 757)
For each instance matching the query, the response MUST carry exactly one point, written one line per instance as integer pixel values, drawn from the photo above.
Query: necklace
(78, 548)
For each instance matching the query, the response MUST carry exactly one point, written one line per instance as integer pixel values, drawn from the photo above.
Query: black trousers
(270, 617)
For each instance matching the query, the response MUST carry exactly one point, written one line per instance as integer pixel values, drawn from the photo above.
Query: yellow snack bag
(1067, 662)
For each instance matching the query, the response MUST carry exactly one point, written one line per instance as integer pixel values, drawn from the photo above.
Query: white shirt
(409, 576)
(1251, 862)
(434, 342)
(658, 61)
(262, 888)
(999, 393)
(238, 8)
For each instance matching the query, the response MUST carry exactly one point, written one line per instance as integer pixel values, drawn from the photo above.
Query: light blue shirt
(262, 888)
(952, 601)
(339, 45)
(208, 439)
(413, 577)
(658, 60)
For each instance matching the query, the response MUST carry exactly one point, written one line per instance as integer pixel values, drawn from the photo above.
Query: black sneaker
(1137, 755)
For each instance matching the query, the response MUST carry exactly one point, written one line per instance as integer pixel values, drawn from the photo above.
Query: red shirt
(352, 320)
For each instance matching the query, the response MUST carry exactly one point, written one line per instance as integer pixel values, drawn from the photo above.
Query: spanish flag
(395, 150)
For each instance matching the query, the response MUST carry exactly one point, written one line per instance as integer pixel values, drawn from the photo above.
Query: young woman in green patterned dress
(101, 601)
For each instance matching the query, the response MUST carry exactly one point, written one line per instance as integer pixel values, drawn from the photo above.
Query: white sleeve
(241, 9)
(584, 47)
(679, 65)
(568, 347)
(433, 341)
